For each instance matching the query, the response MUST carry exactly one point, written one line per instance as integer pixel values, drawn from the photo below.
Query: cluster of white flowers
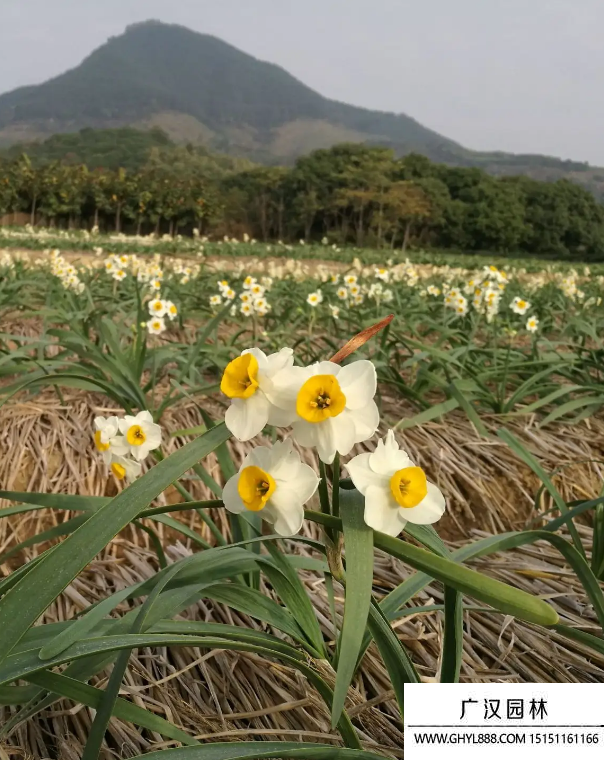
(66, 272)
(330, 408)
(124, 443)
(118, 266)
(252, 299)
(6, 260)
(485, 288)
(568, 285)
(186, 272)
(159, 309)
(456, 301)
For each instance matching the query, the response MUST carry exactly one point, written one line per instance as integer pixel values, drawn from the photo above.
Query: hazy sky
(515, 75)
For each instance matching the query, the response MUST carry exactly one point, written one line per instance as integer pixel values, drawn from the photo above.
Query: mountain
(198, 89)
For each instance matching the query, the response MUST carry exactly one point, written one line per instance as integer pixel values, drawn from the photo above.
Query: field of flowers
(251, 455)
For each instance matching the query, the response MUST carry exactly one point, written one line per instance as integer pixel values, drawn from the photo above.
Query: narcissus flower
(274, 482)
(334, 406)
(396, 491)
(107, 440)
(156, 326)
(314, 299)
(124, 468)
(520, 306)
(171, 310)
(532, 324)
(249, 381)
(157, 307)
(141, 434)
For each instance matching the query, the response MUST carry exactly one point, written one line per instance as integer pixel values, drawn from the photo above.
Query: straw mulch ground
(226, 696)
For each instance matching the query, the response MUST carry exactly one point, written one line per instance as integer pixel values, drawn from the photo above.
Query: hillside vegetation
(350, 193)
(201, 90)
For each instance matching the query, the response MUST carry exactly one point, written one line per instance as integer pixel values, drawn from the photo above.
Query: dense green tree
(356, 194)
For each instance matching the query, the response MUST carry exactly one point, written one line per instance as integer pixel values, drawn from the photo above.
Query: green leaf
(290, 589)
(438, 410)
(453, 637)
(262, 750)
(398, 663)
(91, 696)
(466, 404)
(33, 593)
(506, 599)
(256, 605)
(358, 542)
(530, 460)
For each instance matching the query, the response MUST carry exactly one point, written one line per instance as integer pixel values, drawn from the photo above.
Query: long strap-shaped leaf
(28, 599)
(358, 541)
(262, 750)
(21, 665)
(91, 696)
(506, 599)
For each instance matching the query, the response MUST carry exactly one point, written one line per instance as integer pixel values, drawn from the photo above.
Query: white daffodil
(314, 299)
(334, 406)
(532, 324)
(122, 468)
(274, 482)
(157, 307)
(156, 326)
(249, 381)
(520, 306)
(141, 433)
(396, 491)
(107, 440)
(171, 310)
(215, 300)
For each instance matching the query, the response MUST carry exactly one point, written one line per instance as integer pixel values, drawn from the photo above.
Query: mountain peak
(198, 87)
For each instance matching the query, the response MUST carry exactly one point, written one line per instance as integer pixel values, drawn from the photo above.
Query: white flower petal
(429, 510)
(118, 445)
(261, 456)
(281, 417)
(325, 440)
(126, 423)
(285, 386)
(260, 357)
(279, 361)
(285, 514)
(139, 452)
(230, 496)
(302, 481)
(366, 421)
(245, 418)
(304, 433)
(362, 475)
(324, 368)
(388, 458)
(382, 512)
(358, 382)
(343, 431)
(153, 434)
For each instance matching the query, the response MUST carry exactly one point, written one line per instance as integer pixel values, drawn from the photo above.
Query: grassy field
(181, 620)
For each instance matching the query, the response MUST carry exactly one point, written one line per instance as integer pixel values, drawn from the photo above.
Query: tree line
(351, 193)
